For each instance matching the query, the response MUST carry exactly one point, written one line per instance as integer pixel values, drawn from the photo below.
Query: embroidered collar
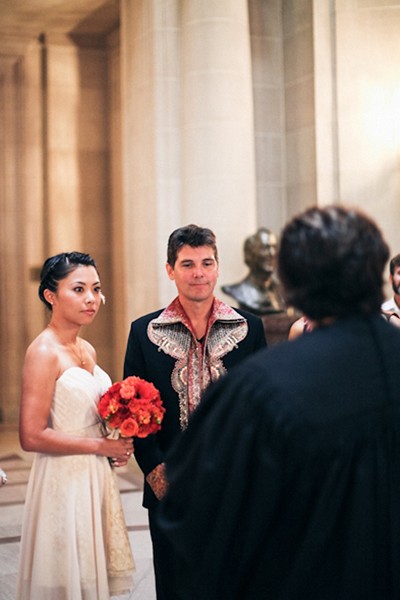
(194, 369)
(175, 313)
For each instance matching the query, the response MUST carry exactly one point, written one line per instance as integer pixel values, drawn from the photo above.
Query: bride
(74, 543)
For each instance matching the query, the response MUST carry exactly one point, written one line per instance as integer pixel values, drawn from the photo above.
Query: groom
(181, 350)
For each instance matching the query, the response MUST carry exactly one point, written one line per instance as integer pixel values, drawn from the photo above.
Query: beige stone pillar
(62, 98)
(218, 173)
(187, 129)
(138, 122)
(13, 274)
(22, 223)
(325, 100)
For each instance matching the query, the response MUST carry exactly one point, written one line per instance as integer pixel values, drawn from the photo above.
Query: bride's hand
(120, 449)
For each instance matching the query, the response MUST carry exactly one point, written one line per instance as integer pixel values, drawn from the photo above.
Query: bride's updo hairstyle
(58, 267)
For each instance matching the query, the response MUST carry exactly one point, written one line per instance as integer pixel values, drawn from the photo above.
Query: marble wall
(299, 104)
(188, 135)
(368, 109)
(56, 183)
(76, 165)
(268, 74)
(13, 316)
(233, 114)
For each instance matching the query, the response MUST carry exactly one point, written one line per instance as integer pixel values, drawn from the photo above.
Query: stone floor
(17, 463)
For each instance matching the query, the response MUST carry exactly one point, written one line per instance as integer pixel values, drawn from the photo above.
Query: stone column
(152, 139)
(325, 99)
(12, 226)
(62, 170)
(218, 172)
(187, 129)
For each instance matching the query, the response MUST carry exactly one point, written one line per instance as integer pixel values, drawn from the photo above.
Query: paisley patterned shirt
(198, 363)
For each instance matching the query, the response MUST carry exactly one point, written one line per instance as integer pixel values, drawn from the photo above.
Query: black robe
(286, 484)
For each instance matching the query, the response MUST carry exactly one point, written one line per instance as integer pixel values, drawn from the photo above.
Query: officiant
(286, 484)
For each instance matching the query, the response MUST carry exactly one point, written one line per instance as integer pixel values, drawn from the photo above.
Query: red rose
(129, 428)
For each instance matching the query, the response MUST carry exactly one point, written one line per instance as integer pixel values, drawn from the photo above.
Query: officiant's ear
(48, 296)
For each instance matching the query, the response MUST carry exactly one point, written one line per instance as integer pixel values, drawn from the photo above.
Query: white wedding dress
(74, 543)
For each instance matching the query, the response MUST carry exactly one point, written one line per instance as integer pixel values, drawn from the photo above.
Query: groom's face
(195, 273)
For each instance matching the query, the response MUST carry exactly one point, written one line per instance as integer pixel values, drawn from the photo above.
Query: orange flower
(129, 427)
(132, 407)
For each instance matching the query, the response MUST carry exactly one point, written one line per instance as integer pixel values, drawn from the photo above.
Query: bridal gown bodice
(74, 543)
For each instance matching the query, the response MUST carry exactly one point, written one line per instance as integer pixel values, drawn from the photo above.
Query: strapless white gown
(74, 543)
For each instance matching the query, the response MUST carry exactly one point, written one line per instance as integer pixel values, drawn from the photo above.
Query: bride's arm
(40, 372)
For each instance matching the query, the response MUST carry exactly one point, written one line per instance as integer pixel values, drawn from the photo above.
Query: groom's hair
(190, 235)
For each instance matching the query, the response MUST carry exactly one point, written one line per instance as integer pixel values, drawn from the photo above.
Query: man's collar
(175, 313)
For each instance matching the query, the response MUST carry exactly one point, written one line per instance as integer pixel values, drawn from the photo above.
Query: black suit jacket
(144, 359)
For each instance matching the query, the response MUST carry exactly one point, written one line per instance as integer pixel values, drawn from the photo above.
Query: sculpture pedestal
(276, 327)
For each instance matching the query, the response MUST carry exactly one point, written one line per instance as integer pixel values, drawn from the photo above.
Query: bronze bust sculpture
(259, 292)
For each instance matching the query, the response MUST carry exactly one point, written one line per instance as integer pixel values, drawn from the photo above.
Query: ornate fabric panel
(197, 363)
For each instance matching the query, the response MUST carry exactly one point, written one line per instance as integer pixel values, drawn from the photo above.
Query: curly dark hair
(58, 267)
(331, 262)
(190, 235)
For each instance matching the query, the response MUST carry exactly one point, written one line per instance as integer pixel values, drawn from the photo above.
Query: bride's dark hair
(58, 267)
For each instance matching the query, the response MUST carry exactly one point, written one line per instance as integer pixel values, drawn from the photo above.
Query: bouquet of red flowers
(131, 408)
